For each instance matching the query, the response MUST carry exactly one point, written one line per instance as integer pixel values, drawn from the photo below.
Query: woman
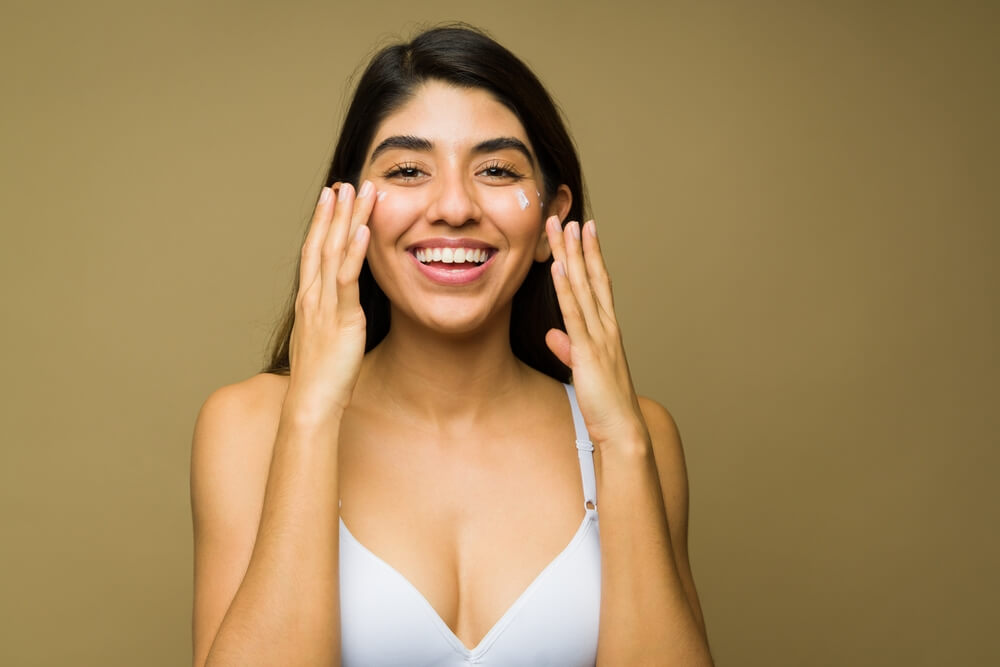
(412, 451)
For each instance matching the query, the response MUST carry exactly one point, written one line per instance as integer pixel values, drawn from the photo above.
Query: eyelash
(409, 171)
(506, 169)
(400, 169)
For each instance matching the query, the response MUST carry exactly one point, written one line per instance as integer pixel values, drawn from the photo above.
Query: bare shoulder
(672, 472)
(236, 422)
(230, 458)
(233, 437)
(253, 397)
(669, 454)
(663, 430)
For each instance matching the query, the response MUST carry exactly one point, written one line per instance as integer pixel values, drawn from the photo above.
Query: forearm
(646, 616)
(287, 608)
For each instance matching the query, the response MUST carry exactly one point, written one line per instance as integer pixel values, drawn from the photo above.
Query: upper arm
(672, 471)
(230, 457)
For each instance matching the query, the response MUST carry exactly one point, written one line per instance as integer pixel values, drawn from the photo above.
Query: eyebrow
(501, 143)
(407, 142)
(410, 142)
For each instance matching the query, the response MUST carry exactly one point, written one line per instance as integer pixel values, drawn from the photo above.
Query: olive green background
(799, 203)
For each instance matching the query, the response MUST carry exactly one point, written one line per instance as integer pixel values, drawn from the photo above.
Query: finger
(309, 264)
(576, 326)
(553, 228)
(347, 278)
(600, 281)
(558, 342)
(363, 206)
(566, 298)
(332, 254)
(578, 277)
(568, 302)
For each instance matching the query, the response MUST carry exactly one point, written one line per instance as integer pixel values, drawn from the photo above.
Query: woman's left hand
(592, 345)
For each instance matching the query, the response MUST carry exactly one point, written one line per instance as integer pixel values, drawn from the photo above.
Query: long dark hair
(466, 57)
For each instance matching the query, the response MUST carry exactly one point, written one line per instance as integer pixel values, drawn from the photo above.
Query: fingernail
(574, 229)
(324, 195)
(592, 228)
(346, 190)
(559, 268)
(366, 189)
(380, 196)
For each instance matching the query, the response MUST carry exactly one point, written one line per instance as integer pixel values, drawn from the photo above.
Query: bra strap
(585, 450)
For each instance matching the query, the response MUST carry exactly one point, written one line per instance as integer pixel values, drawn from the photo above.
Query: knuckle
(328, 253)
(344, 279)
(305, 300)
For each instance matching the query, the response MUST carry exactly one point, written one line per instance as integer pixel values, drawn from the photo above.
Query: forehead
(451, 117)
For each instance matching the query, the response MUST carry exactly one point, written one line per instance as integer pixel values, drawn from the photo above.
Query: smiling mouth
(457, 258)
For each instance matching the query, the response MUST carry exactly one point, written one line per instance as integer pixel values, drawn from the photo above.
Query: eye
(405, 171)
(499, 170)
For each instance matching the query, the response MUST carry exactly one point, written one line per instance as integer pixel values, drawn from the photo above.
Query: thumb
(558, 342)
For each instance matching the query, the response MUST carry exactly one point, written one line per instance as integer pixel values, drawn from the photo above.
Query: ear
(560, 205)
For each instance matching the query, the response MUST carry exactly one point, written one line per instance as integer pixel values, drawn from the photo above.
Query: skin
(423, 465)
(452, 191)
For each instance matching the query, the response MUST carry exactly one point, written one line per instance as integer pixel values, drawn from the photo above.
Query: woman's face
(459, 217)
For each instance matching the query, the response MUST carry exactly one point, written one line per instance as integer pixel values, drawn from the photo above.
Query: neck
(446, 381)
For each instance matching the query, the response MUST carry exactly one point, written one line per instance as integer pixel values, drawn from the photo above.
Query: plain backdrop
(799, 204)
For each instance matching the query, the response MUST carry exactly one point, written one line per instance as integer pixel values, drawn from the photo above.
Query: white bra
(386, 622)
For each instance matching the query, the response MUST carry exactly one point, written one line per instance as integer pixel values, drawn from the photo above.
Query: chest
(469, 523)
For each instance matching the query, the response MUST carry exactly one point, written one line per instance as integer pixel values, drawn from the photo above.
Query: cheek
(392, 214)
(515, 208)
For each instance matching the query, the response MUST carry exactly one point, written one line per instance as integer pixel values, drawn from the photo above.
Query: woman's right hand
(328, 336)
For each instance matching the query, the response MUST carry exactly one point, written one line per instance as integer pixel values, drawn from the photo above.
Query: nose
(454, 202)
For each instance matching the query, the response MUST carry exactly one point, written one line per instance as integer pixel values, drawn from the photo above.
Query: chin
(456, 325)
(454, 320)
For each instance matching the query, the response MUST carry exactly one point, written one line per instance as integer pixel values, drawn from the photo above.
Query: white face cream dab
(522, 199)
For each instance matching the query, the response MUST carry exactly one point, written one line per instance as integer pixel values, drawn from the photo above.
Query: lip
(451, 277)
(445, 242)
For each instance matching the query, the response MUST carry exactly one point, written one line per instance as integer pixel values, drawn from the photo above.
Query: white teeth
(452, 255)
